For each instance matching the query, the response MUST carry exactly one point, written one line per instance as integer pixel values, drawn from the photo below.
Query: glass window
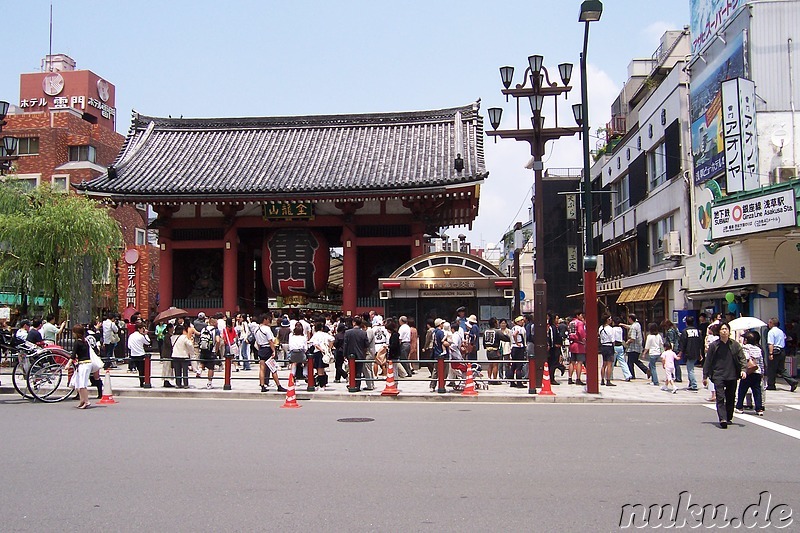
(621, 195)
(658, 230)
(28, 146)
(82, 153)
(657, 166)
(28, 181)
(60, 183)
(141, 237)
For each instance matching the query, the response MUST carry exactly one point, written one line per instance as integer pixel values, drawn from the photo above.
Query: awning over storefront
(640, 293)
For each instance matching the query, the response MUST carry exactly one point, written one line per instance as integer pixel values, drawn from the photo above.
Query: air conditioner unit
(601, 273)
(671, 244)
(782, 174)
(508, 294)
(384, 295)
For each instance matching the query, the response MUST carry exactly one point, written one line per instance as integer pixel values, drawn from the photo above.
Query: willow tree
(47, 237)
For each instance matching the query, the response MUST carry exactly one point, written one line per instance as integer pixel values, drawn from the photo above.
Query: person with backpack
(208, 344)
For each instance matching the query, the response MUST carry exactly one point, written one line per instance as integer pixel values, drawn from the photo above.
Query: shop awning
(640, 293)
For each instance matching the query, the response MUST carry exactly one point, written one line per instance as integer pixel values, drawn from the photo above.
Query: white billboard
(754, 215)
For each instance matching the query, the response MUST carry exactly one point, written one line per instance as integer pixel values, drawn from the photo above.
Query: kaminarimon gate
(249, 208)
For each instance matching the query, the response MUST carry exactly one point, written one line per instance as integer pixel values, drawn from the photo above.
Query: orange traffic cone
(108, 394)
(469, 386)
(291, 399)
(546, 390)
(391, 386)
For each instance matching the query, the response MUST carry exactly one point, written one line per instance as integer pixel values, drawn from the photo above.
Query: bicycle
(46, 365)
(49, 377)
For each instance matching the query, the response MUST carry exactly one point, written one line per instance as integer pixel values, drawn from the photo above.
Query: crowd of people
(733, 362)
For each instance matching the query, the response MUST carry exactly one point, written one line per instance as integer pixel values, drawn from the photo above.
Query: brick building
(65, 125)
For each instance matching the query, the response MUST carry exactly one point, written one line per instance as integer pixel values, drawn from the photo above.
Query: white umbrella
(745, 322)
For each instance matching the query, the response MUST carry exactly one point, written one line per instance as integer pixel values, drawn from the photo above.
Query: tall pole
(539, 284)
(589, 259)
(517, 250)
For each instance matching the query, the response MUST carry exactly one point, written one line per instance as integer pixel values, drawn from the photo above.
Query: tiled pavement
(244, 384)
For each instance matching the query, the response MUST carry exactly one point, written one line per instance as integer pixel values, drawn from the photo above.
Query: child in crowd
(668, 358)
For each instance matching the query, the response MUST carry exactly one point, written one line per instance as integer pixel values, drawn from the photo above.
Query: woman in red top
(230, 338)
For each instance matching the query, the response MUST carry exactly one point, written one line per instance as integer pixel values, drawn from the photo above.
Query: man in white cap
(471, 337)
(440, 347)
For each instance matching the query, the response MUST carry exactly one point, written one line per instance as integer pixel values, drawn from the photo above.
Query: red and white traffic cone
(546, 390)
(291, 398)
(391, 386)
(108, 394)
(469, 386)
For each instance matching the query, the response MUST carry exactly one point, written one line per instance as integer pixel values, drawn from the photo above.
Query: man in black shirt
(34, 335)
(725, 364)
(690, 349)
(355, 343)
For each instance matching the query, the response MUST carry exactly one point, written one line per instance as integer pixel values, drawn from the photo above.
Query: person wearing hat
(439, 349)
(471, 336)
(518, 353)
(461, 318)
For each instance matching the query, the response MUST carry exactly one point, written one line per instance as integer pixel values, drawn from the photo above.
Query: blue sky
(250, 58)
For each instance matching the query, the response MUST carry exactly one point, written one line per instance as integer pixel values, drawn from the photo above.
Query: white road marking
(759, 421)
(794, 407)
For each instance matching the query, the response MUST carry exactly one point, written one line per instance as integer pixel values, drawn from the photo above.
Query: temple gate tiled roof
(305, 156)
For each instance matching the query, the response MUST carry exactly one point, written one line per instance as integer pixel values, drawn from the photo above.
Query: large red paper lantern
(295, 262)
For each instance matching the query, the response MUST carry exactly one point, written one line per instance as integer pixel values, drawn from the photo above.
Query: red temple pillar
(350, 271)
(165, 267)
(417, 240)
(230, 270)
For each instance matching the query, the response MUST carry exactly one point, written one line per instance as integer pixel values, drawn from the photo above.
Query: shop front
(435, 285)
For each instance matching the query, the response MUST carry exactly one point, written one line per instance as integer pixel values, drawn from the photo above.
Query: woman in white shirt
(322, 343)
(653, 347)
(182, 353)
(606, 334)
(297, 347)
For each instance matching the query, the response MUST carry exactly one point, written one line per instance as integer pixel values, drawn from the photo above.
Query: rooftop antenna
(50, 55)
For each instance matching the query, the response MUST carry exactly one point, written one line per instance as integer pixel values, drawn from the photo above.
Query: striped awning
(640, 293)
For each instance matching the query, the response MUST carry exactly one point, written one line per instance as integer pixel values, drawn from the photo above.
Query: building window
(620, 195)
(658, 230)
(28, 181)
(82, 153)
(141, 237)
(60, 183)
(657, 165)
(28, 146)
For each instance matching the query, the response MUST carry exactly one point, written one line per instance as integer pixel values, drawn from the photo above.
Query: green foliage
(45, 235)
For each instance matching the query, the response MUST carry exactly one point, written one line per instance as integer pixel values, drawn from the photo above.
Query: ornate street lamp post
(591, 10)
(8, 145)
(536, 85)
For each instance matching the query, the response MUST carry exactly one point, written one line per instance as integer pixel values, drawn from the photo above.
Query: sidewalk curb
(375, 396)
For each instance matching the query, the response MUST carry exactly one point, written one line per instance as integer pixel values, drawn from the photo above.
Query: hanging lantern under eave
(295, 262)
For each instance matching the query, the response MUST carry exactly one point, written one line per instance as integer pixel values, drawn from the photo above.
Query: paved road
(244, 465)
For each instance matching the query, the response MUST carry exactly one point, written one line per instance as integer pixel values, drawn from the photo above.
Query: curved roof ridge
(300, 121)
